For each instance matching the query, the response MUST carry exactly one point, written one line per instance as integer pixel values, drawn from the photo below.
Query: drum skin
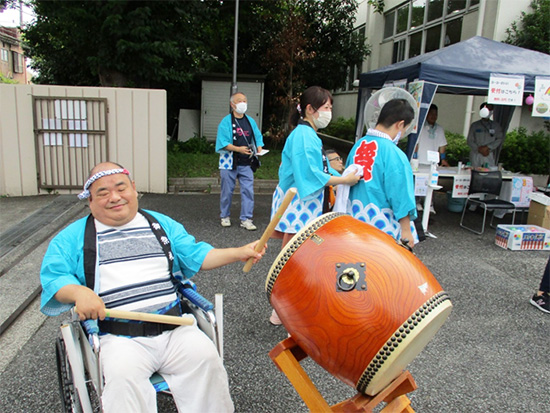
(365, 335)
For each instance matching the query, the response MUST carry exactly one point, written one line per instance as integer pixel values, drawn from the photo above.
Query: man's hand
(245, 150)
(249, 251)
(88, 304)
(223, 256)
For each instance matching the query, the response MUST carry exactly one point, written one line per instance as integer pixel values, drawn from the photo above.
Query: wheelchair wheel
(69, 396)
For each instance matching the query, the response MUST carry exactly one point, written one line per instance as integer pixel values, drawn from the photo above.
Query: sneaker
(542, 302)
(226, 222)
(247, 223)
(419, 207)
(274, 319)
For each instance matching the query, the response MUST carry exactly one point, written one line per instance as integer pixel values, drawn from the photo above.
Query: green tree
(169, 44)
(8, 4)
(303, 43)
(533, 29)
(116, 43)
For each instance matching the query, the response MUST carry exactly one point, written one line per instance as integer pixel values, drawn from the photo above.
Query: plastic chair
(484, 191)
(79, 371)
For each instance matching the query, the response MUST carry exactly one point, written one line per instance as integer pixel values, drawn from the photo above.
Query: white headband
(86, 193)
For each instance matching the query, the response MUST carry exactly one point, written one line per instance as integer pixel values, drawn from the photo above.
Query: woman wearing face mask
(384, 197)
(304, 166)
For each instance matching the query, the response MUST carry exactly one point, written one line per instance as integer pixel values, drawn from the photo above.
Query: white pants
(185, 357)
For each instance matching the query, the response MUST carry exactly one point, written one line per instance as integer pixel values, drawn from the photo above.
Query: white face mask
(484, 113)
(241, 107)
(397, 137)
(323, 120)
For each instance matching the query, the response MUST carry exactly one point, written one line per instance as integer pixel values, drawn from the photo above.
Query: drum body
(359, 304)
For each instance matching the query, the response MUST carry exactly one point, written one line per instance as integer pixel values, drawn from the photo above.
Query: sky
(10, 17)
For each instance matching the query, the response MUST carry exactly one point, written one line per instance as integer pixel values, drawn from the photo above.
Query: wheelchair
(77, 351)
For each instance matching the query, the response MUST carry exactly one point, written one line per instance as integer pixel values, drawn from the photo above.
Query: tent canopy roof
(465, 67)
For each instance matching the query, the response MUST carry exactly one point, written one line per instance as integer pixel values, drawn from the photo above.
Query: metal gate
(71, 137)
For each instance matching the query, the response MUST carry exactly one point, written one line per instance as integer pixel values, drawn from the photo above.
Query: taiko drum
(359, 304)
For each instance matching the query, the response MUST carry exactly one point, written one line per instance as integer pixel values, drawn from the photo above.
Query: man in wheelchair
(122, 257)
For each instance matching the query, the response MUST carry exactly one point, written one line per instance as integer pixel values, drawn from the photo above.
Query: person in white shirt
(431, 138)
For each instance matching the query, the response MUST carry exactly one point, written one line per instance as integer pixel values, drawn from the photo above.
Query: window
(399, 51)
(4, 55)
(454, 6)
(17, 63)
(422, 26)
(433, 36)
(435, 9)
(402, 19)
(453, 30)
(417, 14)
(389, 24)
(415, 46)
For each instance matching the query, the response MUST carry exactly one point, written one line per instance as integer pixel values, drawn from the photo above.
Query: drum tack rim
(376, 375)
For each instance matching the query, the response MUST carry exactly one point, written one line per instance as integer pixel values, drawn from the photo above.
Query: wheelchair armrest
(90, 326)
(188, 291)
(91, 329)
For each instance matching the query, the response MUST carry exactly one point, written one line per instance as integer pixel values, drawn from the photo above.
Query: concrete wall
(136, 130)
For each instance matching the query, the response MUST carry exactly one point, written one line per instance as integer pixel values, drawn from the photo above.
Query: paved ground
(490, 356)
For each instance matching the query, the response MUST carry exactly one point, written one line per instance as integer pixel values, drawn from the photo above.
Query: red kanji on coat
(365, 156)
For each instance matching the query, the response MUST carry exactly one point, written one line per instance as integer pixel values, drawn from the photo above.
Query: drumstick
(271, 227)
(152, 318)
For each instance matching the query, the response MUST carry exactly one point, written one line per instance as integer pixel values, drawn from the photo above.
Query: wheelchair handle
(271, 227)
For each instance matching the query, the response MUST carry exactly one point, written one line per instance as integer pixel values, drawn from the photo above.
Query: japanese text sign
(506, 89)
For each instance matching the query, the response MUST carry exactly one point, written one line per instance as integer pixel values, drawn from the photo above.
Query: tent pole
(468, 115)
(470, 100)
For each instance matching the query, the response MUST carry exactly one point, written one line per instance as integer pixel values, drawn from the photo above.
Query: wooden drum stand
(287, 355)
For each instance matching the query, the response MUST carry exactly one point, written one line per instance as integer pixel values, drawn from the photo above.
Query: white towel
(342, 191)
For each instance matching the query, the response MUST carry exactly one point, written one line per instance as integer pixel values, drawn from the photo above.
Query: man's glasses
(338, 158)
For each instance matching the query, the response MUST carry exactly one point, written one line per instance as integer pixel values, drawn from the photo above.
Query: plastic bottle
(414, 162)
(434, 175)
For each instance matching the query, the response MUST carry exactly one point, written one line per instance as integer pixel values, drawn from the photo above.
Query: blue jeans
(246, 180)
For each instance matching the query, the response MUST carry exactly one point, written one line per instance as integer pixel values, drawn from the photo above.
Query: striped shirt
(134, 272)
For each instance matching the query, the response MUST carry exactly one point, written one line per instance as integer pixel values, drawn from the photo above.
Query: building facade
(413, 27)
(12, 60)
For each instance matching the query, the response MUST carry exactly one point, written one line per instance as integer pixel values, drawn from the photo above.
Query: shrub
(193, 145)
(4, 79)
(196, 158)
(521, 152)
(457, 149)
(341, 128)
(526, 153)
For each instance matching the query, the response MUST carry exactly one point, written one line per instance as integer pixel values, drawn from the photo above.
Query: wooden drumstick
(152, 318)
(271, 227)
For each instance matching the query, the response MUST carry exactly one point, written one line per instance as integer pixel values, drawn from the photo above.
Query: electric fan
(380, 98)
